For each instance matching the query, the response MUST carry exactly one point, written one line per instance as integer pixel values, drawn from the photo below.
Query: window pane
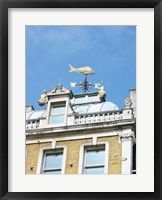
(95, 157)
(53, 161)
(53, 172)
(99, 170)
(58, 109)
(57, 119)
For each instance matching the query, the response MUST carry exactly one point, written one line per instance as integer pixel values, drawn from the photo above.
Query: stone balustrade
(98, 117)
(88, 118)
(32, 124)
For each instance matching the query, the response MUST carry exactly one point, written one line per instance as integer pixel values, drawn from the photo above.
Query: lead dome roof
(91, 108)
(34, 114)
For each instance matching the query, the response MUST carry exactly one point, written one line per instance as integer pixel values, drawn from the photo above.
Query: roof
(98, 107)
(78, 109)
(34, 114)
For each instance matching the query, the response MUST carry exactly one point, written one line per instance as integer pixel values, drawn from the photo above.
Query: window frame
(60, 150)
(55, 105)
(41, 158)
(57, 102)
(88, 146)
(94, 147)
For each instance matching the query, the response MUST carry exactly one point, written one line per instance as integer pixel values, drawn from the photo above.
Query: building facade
(80, 134)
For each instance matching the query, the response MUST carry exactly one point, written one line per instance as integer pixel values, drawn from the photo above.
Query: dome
(79, 109)
(34, 114)
(91, 108)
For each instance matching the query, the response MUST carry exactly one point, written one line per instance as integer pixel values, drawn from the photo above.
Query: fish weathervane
(86, 85)
(86, 70)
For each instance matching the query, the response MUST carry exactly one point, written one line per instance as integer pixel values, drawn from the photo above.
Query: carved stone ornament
(102, 93)
(43, 100)
(127, 102)
(59, 88)
(126, 136)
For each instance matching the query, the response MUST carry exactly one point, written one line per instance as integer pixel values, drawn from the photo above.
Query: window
(53, 162)
(57, 115)
(94, 160)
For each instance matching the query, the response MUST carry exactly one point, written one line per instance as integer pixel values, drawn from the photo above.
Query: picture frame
(4, 70)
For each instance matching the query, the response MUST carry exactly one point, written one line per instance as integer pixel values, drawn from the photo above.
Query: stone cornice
(84, 128)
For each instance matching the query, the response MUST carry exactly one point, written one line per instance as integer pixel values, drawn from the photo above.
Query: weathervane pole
(85, 84)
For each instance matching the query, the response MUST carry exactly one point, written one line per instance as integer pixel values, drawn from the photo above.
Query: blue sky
(109, 50)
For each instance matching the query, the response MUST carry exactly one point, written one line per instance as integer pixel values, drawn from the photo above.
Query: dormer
(58, 106)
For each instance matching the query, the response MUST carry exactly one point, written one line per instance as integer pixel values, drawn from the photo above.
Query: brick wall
(73, 150)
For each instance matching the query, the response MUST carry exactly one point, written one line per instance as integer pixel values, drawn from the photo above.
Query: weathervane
(85, 85)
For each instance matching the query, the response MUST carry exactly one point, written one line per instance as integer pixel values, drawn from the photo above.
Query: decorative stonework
(59, 88)
(43, 100)
(102, 93)
(127, 102)
(126, 136)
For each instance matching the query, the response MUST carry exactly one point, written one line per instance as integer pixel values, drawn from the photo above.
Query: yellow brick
(32, 156)
(73, 151)
(114, 154)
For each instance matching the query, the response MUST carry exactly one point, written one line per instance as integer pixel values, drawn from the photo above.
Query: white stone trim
(66, 112)
(94, 140)
(50, 128)
(126, 138)
(41, 158)
(64, 158)
(53, 144)
(81, 156)
(57, 101)
(75, 137)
